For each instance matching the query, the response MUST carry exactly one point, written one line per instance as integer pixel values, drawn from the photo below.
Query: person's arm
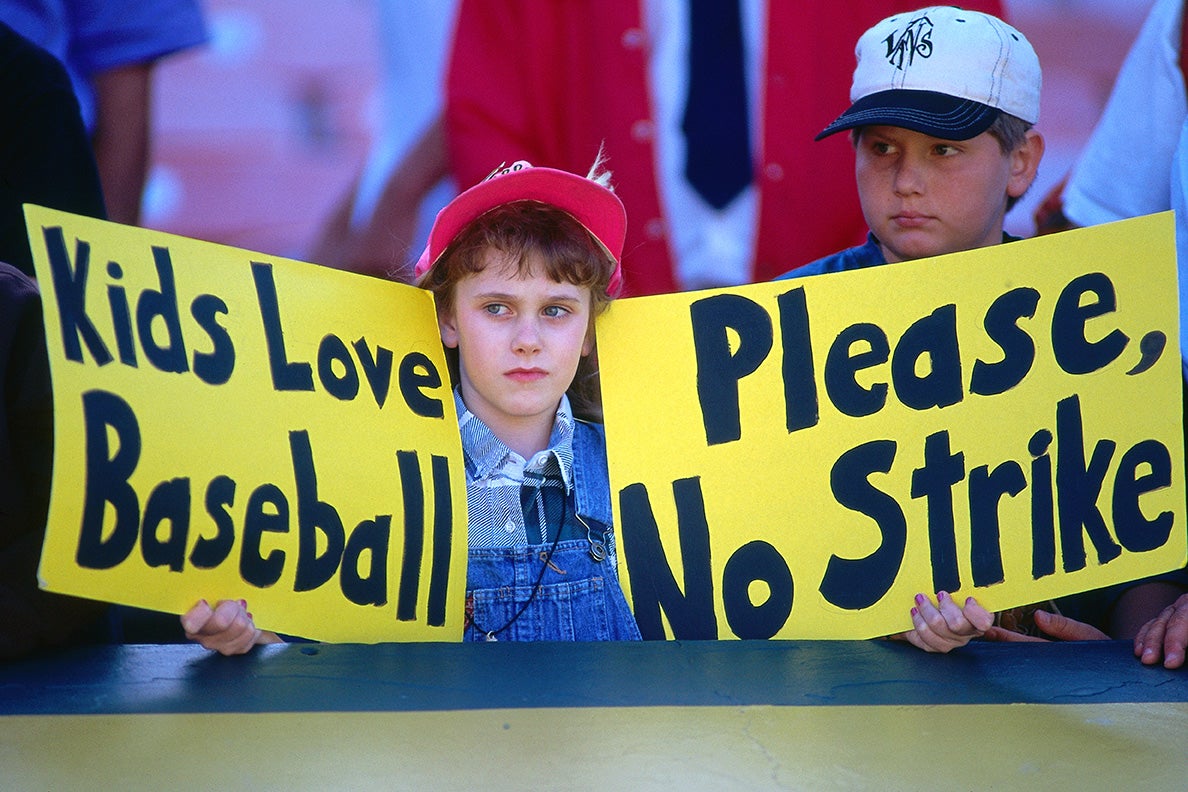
(121, 137)
(33, 620)
(945, 625)
(227, 628)
(116, 45)
(1136, 606)
(30, 619)
(1165, 637)
(381, 247)
(1111, 180)
(1131, 616)
(495, 94)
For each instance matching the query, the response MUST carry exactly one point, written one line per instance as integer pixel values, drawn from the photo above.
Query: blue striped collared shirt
(513, 501)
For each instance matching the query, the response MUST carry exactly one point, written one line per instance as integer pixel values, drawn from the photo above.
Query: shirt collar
(485, 453)
(872, 240)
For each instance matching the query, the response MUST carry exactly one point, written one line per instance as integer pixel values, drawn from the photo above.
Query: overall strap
(590, 477)
(592, 488)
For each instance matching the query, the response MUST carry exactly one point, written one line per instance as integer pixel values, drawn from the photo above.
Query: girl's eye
(555, 311)
(495, 309)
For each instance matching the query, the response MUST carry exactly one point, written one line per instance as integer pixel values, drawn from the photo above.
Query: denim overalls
(580, 598)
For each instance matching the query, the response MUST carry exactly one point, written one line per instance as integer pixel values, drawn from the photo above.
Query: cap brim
(927, 112)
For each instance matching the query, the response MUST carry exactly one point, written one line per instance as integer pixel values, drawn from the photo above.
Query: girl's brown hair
(570, 254)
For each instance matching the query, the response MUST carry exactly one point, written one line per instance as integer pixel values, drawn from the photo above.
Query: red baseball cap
(596, 207)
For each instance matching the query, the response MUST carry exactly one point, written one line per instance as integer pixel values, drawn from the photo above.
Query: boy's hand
(1055, 626)
(227, 628)
(946, 625)
(1164, 637)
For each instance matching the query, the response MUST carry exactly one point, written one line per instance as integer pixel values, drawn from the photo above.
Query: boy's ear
(447, 324)
(1025, 160)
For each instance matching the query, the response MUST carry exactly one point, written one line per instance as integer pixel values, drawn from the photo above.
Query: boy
(943, 103)
(943, 106)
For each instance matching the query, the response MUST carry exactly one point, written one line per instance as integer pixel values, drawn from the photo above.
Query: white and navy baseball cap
(941, 71)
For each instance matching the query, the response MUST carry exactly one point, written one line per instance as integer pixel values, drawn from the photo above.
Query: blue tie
(718, 152)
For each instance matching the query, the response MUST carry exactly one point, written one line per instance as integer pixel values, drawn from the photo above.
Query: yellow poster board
(799, 459)
(230, 425)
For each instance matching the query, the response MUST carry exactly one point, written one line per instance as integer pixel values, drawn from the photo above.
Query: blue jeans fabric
(579, 599)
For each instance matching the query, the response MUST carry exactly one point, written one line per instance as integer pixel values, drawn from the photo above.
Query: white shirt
(1123, 170)
(1134, 162)
(711, 247)
(414, 38)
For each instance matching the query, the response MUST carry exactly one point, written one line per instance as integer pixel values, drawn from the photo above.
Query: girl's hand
(946, 625)
(226, 628)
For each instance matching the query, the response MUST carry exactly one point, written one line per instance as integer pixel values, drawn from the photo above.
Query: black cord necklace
(547, 558)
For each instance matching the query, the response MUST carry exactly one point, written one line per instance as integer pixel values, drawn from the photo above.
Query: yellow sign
(798, 459)
(230, 425)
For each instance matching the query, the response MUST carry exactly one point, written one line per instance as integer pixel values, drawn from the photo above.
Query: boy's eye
(881, 147)
(944, 149)
(495, 309)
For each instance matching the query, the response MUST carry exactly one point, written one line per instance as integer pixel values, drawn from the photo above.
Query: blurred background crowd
(261, 132)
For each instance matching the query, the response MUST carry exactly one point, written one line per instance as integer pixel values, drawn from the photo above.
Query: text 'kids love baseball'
(233, 425)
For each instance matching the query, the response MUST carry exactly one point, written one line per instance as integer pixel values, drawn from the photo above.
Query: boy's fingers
(1065, 629)
(1004, 635)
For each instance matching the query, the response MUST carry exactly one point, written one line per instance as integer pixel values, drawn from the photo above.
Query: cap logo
(915, 40)
(505, 169)
(941, 71)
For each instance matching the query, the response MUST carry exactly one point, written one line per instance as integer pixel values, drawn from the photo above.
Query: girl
(520, 266)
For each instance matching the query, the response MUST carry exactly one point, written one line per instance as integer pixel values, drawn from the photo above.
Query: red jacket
(548, 81)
